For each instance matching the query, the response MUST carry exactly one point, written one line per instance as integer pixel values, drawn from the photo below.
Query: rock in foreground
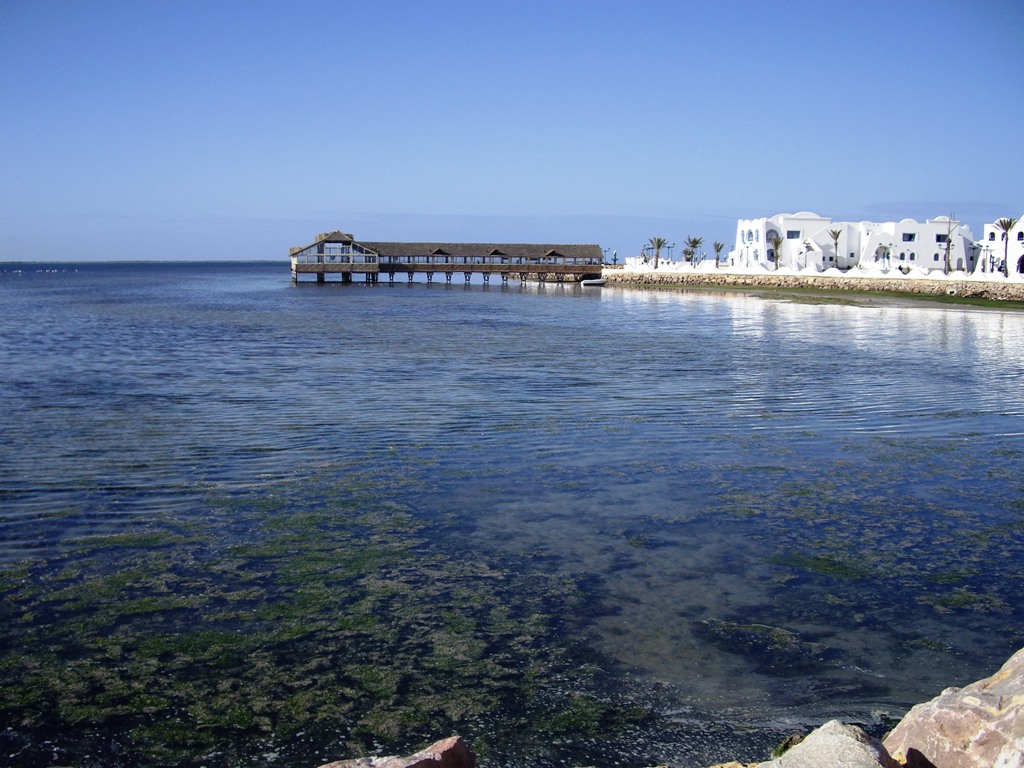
(979, 726)
(447, 753)
(835, 745)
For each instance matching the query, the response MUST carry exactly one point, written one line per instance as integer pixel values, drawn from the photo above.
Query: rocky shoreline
(978, 726)
(990, 290)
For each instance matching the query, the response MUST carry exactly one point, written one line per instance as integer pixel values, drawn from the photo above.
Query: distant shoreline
(128, 262)
(1008, 295)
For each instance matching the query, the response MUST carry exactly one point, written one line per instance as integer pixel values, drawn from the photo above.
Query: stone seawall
(972, 289)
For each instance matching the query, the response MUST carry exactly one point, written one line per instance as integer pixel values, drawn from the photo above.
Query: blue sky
(219, 129)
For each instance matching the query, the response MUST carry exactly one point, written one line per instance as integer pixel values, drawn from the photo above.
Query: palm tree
(657, 243)
(693, 244)
(835, 234)
(949, 244)
(1006, 225)
(718, 252)
(777, 241)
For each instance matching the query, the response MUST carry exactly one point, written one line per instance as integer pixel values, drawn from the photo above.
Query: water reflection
(767, 509)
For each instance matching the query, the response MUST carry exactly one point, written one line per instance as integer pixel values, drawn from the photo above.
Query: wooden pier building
(338, 253)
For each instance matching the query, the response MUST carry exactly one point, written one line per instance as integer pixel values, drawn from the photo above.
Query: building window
(792, 234)
(1020, 236)
(909, 237)
(936, 257)
(903, 257)
(942, 238)
(913, 257)
(991, 235)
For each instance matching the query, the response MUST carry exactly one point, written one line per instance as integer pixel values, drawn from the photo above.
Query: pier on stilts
(338, 257)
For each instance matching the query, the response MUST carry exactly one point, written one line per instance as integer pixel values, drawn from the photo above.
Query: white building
(994, 247)
(806, 240)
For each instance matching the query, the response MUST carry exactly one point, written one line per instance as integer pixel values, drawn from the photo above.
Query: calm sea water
(656, 526)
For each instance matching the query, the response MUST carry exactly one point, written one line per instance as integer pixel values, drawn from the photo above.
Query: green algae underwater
(285, 627)
(679, 545)
(296, 622)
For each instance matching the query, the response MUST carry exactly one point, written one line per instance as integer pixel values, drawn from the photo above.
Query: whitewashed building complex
(994, 247)
(805, 240)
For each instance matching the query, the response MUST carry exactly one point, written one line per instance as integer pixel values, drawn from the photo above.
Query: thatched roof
(512, 250)
(337, 236)
(484, 249)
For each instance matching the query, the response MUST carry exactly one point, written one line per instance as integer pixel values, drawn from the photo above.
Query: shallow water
(569, 523)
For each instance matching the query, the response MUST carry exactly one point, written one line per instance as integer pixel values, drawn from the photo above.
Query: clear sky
(224, 129)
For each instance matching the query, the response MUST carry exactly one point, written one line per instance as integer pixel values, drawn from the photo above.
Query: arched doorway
(1020, 265)
(770, 237)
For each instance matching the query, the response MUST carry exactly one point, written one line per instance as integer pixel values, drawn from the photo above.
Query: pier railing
(483, 261)
(334, 258)
(557, 266)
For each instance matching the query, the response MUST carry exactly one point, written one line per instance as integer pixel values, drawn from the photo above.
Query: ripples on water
(779, 510)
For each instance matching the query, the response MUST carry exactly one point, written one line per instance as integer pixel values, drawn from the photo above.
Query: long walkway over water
(337, 253)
